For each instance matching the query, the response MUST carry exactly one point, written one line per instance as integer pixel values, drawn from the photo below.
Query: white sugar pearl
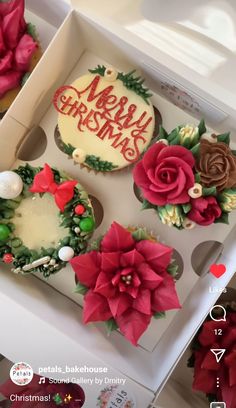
(195, 191)
(189, 224)
(11, 185)
(66, 253)
(165, 141)
(79, 155)
(210, 137)
(110, 74)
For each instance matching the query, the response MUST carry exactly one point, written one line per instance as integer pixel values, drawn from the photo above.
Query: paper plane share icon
(218, 354)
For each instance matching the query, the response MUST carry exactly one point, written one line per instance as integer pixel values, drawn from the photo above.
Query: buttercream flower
(36, 394)
(165, 174)
(16, 46)
(188, 132)
(206, 368)
(216, 165)
(204, 210)
(127, 281)
(228, 198)
(171, 215)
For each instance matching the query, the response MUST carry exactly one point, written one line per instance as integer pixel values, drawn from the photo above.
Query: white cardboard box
(83, 41)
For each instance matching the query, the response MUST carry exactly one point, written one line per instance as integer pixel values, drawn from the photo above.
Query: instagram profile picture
(21, 374)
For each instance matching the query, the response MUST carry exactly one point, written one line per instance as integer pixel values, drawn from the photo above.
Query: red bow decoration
(44, 183)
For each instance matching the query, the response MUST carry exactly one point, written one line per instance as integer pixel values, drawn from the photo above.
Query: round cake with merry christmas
(106, 119)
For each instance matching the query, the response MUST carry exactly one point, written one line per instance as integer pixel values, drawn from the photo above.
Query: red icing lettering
(109, 117)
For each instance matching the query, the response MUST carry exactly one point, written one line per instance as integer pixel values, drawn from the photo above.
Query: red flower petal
(150, 279)
(6, 62)
(178, 151)
(141, 178)
(165, 297)
(24, 52)
(131, 258)
(119, 304)
(133, 324)
(12, 27)
(143, 302)
(9, 81)
(151, 157)
(96, 308)
(87, 268)
(104, 286)
(2, 44)
(117, 239)
(7, 6)
(157, 255)
(110, 261)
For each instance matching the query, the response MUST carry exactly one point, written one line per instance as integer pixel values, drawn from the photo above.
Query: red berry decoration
(8, 258)
(79, 209)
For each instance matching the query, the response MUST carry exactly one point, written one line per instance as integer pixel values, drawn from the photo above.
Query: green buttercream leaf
(31, 30)
(140, 234)
(100, 70)
(186, 208)
(135, 84)
(202, 127)
(175, 141)
(173, 269)
(195, 149)
(159, 315)
(162, 133)
(197, 178)
(81, 289)
(209, 191)
(99, 165)
(224, 137)
(68, 148)
(173, 134)
(223, 219)
(111, 325)
(146, 205)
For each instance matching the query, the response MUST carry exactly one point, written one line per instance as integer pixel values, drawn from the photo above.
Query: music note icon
(42, 380)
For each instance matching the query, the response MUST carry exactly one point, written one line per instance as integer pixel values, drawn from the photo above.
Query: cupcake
(126, 277)
(19, 50)
(188, 177)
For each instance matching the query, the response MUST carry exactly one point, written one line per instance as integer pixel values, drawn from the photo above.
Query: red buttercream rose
(205, 210)
(206, 368)
(127, 281)
(46, 389)
(165, 174)
(16, 46)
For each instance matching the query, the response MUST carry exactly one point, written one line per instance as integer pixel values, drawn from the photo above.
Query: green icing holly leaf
(202, 127)
(111, 325)
(68, 148)
(224, 137)
(223, 219)
(209, 191)
(162, 133)
(81, 289)
(159, 315)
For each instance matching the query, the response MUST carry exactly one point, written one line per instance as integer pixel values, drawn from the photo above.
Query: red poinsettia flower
(34, 393)
(206, 368)
(16, 46)
(127, 280)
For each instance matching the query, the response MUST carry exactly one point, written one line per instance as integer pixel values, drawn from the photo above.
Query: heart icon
(217, 270)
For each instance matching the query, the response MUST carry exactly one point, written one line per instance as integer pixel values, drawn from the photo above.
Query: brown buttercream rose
(216, 165)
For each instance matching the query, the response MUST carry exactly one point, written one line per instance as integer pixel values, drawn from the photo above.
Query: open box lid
(193, 43)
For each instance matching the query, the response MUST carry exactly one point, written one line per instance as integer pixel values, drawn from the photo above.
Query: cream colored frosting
(37, 222)
(74, 131)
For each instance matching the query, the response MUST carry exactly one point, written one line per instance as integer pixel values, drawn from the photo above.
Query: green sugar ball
(4, 232)
(87, 224)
